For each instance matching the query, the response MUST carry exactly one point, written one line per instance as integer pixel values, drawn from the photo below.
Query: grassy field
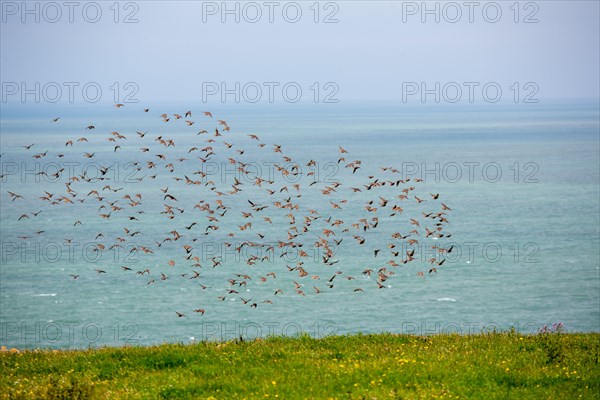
(383, 366)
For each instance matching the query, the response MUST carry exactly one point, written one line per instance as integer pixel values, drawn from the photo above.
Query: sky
(303, 51)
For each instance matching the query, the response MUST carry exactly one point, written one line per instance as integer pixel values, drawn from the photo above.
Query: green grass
(383, 366)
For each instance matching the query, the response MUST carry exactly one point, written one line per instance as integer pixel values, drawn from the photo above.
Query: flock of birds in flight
(273, 216)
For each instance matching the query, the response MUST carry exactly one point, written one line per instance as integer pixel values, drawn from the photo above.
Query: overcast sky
(176, 50)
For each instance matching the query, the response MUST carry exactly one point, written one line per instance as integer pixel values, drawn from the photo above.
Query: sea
(520, 236)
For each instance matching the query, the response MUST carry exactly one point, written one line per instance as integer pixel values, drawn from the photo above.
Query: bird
(14, 196)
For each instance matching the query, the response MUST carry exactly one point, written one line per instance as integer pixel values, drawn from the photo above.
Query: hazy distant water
(527, 240)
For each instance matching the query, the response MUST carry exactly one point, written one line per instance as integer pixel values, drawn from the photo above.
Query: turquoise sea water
(522, 183)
